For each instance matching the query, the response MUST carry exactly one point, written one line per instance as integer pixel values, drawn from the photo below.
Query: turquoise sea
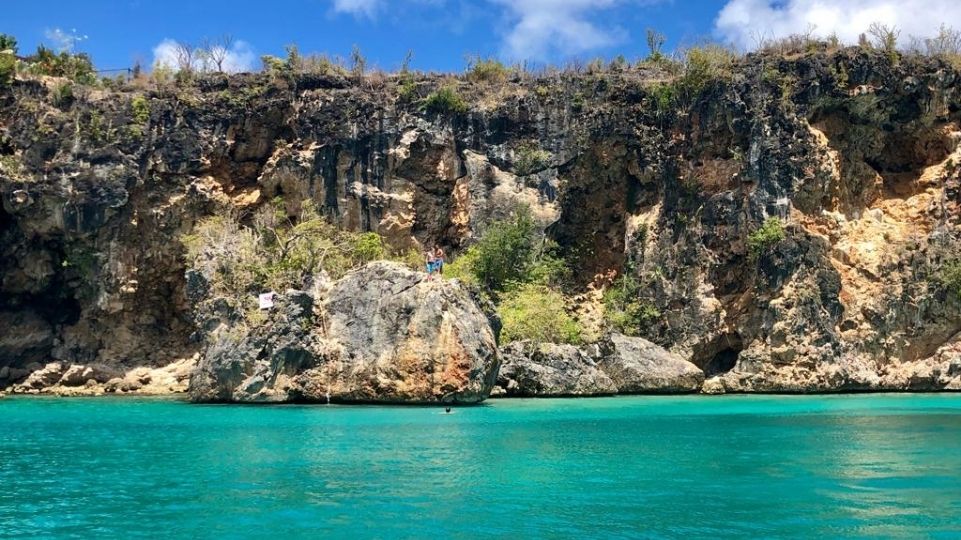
(885, 466)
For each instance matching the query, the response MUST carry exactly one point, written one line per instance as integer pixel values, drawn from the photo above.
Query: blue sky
(442, 33)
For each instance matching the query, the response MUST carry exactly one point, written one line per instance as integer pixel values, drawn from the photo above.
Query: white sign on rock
(266, 300)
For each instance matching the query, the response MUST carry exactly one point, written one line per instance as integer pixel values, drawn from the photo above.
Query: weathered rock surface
(549, 370)
(381, 334)
(637, 366)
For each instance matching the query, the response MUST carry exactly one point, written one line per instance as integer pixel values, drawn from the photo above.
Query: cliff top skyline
(441, 33)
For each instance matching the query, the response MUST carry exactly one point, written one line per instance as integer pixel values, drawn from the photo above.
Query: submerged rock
(381, 334)
(638, 366)
(546, 369)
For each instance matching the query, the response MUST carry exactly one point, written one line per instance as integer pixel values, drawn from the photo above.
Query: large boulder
(550, 370)
(381, 334)
(637, 366)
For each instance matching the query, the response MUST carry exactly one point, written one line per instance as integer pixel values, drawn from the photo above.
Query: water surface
(732, 466)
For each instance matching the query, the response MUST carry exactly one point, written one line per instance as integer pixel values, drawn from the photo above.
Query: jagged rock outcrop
(549, 370)
(380, 334)
(855, 154)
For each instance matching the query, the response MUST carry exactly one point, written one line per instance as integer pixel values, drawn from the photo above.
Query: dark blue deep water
(741, 467)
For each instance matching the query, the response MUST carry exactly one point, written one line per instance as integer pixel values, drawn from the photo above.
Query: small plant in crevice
(765, 238)
(950, 277)
(625, 308)
(530, 158)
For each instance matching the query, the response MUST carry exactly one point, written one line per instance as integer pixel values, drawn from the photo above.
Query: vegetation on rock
(762, 240)
(537, 312)
(275, 252)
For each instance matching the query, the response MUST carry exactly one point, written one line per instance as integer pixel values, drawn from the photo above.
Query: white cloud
(239, 58)
(358, 8)
(63, 40)
(742, 22)
(541, 29)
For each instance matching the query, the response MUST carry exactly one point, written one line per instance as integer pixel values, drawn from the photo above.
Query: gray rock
(638, 366)
(546, 369)
(384, 334)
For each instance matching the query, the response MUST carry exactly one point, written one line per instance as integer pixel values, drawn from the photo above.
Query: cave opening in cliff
(719, 355)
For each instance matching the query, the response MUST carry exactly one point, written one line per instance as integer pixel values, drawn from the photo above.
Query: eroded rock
(550, 370)
(381, 334)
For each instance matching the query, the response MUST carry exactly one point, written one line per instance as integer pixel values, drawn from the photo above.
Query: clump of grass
(486, 70)
(531, 158)
(445, 100)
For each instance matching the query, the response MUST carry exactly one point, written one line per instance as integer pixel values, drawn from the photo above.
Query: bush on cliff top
(446, 101)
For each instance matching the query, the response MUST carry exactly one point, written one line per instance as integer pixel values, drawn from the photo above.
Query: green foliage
(368, 247)
(505, 254)
(140, 111)
(655, 46)
(530, 158)
(537, 312)
(294, 62)
(487, 70)
(950, 277)
(762, 240)
(63, 94)
(625, 310)
(8, 68)
(445, 101)
(663, 97)
(76, 67)
(703, 66)
(8, 43)
(273, 64)
(275, 253)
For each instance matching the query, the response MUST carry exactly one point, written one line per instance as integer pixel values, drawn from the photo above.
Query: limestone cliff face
(857, 156)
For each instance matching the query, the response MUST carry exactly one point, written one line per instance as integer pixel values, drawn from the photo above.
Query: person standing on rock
(431, 263)
(439, 260)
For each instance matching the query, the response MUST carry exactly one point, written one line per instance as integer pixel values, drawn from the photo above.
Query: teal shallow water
(759, 466)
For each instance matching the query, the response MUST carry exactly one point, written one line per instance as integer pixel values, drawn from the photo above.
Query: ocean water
(661, 467)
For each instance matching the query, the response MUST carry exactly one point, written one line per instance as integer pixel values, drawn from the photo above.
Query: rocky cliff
(854, 152)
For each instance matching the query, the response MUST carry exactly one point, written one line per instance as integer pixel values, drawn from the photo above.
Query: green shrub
(703, 66)
(655, 46)
(530, 159)
(8, 68)
(140, 111)
(8, 43)
(505, 253)
(762, 240)
(445, 101)
(950, 277)
(275, 253)
(62, 94)
(487, 70)
(76, 67)
(537, 313)
(625, 310)
(368, 247)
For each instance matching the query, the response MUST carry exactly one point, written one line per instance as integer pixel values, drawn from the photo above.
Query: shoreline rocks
(617, 365)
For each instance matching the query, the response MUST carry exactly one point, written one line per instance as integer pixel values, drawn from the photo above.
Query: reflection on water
(886, 466)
